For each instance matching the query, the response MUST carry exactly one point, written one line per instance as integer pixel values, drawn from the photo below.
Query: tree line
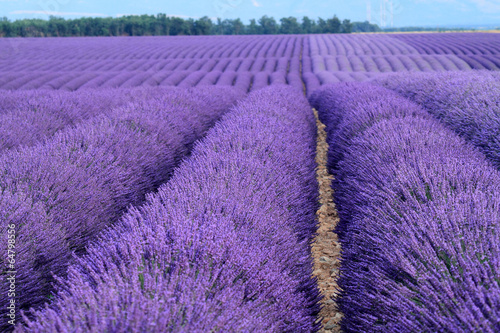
(163, 25)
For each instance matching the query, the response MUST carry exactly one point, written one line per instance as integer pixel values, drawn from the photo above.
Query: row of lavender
(396, 63)
(239, 61)
(405, 44)
(245, 81)
(23, 50)
(468, 103)
(144, 65)
(419, 216)
(126, 49)
(223, 246)
(330, 62)
(344, 58)
(246, 62)
(58, 194)
(453, 43)
(28, 117)
(328, 69)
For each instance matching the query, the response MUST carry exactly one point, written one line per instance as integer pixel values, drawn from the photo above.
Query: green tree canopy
(162, 24)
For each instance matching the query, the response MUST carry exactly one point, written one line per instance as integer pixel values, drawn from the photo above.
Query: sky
(432, 13)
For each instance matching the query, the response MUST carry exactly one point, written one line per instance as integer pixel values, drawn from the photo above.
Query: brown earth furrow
(326, 248)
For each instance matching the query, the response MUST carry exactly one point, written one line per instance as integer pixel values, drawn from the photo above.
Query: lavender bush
(468, 103)
(223, 246)
(85, 177)
(337, 102)
(27, 117)
(418, 218)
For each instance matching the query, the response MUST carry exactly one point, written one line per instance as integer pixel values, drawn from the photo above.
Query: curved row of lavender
(478, 50)
(468, 103)
(388, 63)
(358, 44)
(61, 193)
(223, 246)
(336, 58)
(84, 50)
(28, 117)
(165, 61)
(418, 217)
(250, 61)
(456, 43)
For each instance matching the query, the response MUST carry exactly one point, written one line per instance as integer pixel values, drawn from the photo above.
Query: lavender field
(170, 184)
(246, 62)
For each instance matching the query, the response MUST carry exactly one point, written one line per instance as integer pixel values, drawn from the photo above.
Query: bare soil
(326, 247)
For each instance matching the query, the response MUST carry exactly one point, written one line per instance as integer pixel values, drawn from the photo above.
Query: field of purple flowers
(246, 62)
(167, 184)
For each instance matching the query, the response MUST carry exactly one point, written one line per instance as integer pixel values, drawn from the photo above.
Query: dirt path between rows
(326, 247)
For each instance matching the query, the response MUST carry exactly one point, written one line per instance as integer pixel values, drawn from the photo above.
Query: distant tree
(5, 27)
(268, 25)
(134, 25)
(163, 24)
(333, 25)
(364, 27)
(217, 27)
(189, 27)
(346, 27)
(228, 27)
(178, 26)
(289, 25)
(128, 27)
(57, 26)
(238, 27)
(321, 27)
(203, 26)
(34, 28)
(307, 25)
(253, 28)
